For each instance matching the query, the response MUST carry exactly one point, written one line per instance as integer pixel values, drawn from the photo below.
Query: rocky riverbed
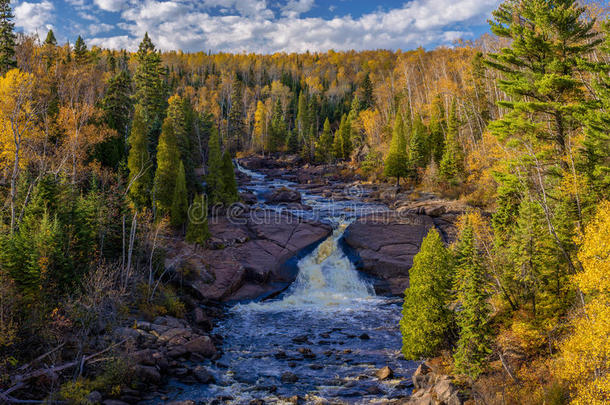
(297, 298)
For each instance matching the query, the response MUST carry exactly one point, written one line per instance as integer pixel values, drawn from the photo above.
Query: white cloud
(98, 28)
(111, 5)
(294, 8)
(252, 27)
(34, 17)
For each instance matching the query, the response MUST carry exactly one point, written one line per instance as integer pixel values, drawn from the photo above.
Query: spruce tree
(293, 141)
(168, 158)
(366, 91)
(474, 344)
(230, 193)
(139, 162)
(426, 317)
(214, 179)
(50, 39)
(302, 122)
(179, 210)
(437, 129)
(149, 88)
(397, 161)
(418, 148)
(197, 229)
(594, 158)
(236, 117)
(116, 107)
(278, 128)
(80, 51)
(7, 38)
(324, 145)
(451, 167)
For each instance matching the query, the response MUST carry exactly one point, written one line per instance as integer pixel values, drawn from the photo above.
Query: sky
(261, 26)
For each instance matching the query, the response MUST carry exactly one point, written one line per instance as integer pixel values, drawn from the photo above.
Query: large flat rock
(254, 255)
(384, 245)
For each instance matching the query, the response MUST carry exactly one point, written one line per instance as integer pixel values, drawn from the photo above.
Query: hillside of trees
(102, 151)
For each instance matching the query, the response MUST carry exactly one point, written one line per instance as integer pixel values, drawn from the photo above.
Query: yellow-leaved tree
(585, 355)
(17, 125)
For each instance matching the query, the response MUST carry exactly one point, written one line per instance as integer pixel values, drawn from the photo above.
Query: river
(322, 339)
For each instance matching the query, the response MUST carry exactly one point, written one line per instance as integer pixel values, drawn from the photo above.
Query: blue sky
(263, 26)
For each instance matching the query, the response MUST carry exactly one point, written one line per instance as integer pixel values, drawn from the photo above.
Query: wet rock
(95, 397)
(325, 335)
(248, 198)
(385, 373)
(283, 195)
(364, 336)
(182, 403)
(384, 245)
(202, 375)
(148, 374)
(289, 377)
(114, 402)
(300, 339)
(201, 319)
(257, 402)
(374, 390)
(316, 366)
(307, 353)
(202, 345)
(280, 355)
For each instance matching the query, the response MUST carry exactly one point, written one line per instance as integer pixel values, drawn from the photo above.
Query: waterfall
(326, 279)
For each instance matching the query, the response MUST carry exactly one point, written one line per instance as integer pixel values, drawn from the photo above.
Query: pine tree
(50, 39)
(230, 193)
(80, 51)
(366, 90)
(343, 140)
(116, 107)
(324, 145)
(397, 161)
(595, 156)
(426, 318)
(451, 167)
(139, 162)
(293, 141)
(214, 179)
(7, 38)
(168, 158)
(149, 88)
(180, 205)
(278, 128)
(236, 117)
(437, 129)
(302, 122)
(197, 229)
(418, 148)
(474, 344)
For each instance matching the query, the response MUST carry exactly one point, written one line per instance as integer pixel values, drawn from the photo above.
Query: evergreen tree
(7, 38)
(237, 129)
(197, 229)
(366, 90)
(595, 156)
(150, 89)
(116, 107)
(293, 141)
(474, 344)
(139, 162)
(343, 140)
(302, 122)
(182, 117)
(324, 146)
(80, 51)
(179, 210)
(214, 179)
(437, 129)
(230, 193)
(426, 319)
(278, 128)
(50, 39)
(397, 161)
(168, 158)
(451, 167)
(418, 149)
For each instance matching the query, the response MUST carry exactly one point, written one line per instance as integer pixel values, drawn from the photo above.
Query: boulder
(384, 245)
(201, 345)
(148, 374)
(202, 375)
(283, 195)
(385, 373)
(289, 377)
(421, 376)
(95, 397)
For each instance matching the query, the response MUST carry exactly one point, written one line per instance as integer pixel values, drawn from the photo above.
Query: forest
(104, 153)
